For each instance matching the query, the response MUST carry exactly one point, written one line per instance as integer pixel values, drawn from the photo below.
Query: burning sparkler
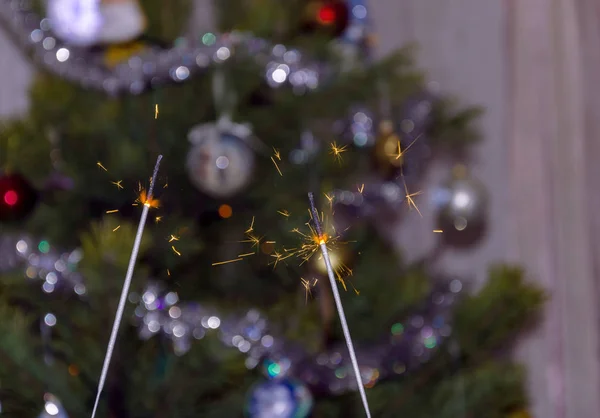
(338, 302)
(148, 202)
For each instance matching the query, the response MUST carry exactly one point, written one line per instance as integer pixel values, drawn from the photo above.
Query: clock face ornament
(77, 22)
(220, 162)
(86, 23)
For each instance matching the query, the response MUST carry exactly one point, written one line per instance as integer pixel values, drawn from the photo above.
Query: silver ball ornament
(220, 162)
(279, 398)
(463, 207)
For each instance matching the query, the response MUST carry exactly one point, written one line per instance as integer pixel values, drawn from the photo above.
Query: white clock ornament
(92, 22)
(220, 162)
(123, 21)
(77, 22)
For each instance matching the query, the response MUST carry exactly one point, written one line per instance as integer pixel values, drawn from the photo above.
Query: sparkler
(340, 307)
(148, 202)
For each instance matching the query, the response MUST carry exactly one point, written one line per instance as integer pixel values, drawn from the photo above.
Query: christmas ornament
(285, 67)
(161, 313)
(520, 414)
(389, 151)
(39, 260)
(463, 205)
(220, 162)
(17, 197)
(114, 22)
(90, 22)
(77, 22)
(339, 257)
(329, 16)
(122, 21)
(52, 408)
(279, 399)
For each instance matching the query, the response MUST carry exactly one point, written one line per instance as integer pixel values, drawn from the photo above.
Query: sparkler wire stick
(340, 307)
(126, 285)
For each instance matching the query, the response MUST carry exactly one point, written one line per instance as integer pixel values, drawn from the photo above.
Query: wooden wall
(535, 66)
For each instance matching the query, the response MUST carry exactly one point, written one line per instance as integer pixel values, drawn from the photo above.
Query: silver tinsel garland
(407, 344)
(183, 60)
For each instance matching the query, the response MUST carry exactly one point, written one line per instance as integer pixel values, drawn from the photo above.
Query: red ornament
(330, 17)
(11, 198)
(17, 197)
(327, 14)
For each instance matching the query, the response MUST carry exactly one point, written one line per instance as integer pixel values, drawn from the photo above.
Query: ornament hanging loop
(224, 97)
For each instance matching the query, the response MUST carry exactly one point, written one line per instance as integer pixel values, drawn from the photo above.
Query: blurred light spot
(50, 319)
(62, 54)
(225, 211)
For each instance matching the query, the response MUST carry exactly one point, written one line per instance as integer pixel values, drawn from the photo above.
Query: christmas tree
(230, 310)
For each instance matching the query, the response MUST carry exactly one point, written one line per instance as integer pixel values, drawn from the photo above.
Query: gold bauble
(337, 256)
(388, 148)
(520, 414)
(116, 54)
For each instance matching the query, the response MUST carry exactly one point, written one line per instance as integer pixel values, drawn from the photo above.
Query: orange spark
(168, 272)
(246, 254)
(337, 151)
(284, 213)
(156, 111)
(117, 183)
(254, 240)
(147, 200)
(175, 250)
(158, 219)
(310, 245)
(401, 152)
(361, 188)
(251, 226)
(307, 285)
(173, 238)
(114, 230)
(276, 153)
(227, 261)
(99, 164)
(276, 166)
(438, 231)
(112, 211)
(329, 199)
(409, 198)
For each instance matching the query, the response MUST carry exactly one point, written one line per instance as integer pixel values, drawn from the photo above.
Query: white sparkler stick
(340, 307)
(126, 285)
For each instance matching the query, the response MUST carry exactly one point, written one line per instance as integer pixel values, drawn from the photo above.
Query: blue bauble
(279, 398)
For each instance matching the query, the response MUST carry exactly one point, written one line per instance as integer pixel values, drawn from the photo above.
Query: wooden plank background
(534, 65)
